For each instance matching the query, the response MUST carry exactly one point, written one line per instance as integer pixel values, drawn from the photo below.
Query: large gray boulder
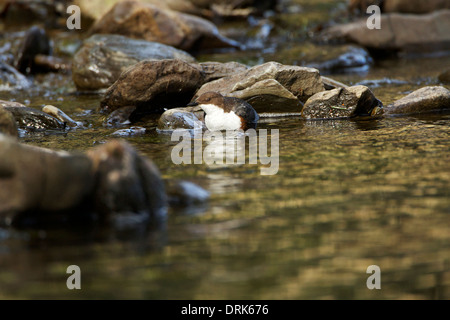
(423, 100)
(103, 57)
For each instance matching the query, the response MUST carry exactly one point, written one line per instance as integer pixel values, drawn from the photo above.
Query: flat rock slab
(399, 32)
(338, 103)
(424, 100)
(103, 57)
(152, 85)
(284, 82)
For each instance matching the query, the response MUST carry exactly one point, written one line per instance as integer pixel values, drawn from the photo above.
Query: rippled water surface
(348, 194)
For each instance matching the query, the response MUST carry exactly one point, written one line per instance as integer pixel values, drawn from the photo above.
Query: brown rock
(399, 32)
(427, 99)
(112, 181)
(217, 70)
(126, 182)
(342, 103)
(152, 23)
(152, 85)
(40, 180)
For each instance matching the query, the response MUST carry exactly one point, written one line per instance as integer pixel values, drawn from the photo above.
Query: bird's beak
(192, 104)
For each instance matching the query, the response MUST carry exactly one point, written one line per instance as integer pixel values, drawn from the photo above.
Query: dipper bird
(226, 113)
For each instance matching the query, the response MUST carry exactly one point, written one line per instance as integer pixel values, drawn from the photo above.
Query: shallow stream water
(347, 195)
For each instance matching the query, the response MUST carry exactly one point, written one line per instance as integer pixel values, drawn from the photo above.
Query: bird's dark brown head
(210, 98)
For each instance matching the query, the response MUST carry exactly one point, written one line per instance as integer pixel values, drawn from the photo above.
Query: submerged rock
(356, 101)
(119, 117)
(154, 23)
(103, 57)
(427, 99)
(132, 131)
(41, 185)
(181, 118)
(399, 32)
(126, 182)
(152, 85)
(353, 60)
(35, 180)
(279, 84)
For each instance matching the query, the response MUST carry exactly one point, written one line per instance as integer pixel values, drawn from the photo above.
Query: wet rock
(7, 123)
(183, 31)
(181, 118)
(353, 60)
(36, 180)
(184, 193)
(11, 79)
(110, 181)
(102, 58)
(126, 182)
(356, 101)
(132, 131)
(399, 32)
(35, 42)
(34, 120)
(152, 85)
(217, 70)
(444, 77)
(119, 117)
(427, 99)
(288, 82)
